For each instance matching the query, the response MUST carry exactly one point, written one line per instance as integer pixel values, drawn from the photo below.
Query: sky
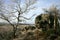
(40, 5)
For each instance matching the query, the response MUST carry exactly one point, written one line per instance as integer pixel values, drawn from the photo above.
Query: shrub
(6, 35)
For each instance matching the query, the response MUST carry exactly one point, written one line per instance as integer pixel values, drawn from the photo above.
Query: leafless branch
(28, 18)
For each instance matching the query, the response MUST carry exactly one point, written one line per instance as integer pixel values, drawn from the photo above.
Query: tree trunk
(14, 32)
(55, 17)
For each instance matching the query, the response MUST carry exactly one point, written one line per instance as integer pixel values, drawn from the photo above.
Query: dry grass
(6, 32)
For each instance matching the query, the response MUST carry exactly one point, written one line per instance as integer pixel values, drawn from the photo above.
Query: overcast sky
(39, 6)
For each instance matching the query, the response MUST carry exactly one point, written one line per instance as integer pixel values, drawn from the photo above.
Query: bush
(29, 36)
(6, 35)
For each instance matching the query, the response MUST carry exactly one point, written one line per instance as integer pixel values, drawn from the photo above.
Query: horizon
(40, 5)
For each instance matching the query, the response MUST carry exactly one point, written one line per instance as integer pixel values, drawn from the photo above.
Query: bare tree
(14, 11)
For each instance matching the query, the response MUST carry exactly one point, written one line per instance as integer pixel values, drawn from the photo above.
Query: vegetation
(9, 12)
(49, 23)
(46, 27)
